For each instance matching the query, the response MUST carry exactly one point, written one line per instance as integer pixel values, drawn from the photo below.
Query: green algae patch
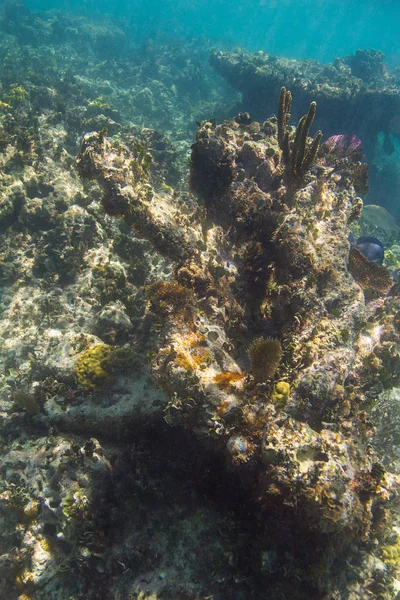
(92, 367)
(99, 364)
(16, 95)
(281, 393)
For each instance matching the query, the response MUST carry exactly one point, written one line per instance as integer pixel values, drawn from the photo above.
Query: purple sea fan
(343, 145)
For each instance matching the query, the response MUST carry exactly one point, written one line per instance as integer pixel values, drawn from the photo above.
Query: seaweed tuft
(265, 356)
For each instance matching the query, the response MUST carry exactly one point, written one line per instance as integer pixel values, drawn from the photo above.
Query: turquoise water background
(318, 29)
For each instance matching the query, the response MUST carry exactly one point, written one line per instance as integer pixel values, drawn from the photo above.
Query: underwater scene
(199, 300)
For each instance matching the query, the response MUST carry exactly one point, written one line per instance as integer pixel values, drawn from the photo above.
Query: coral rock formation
(263, 265)
(358, 88)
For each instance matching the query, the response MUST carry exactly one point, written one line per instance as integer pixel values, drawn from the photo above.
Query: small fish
(371, 248)
(380, 217)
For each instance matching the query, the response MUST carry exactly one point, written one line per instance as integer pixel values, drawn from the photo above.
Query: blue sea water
(313, 29)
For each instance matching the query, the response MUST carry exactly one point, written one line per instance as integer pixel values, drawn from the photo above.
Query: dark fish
(343, 145)
(371, 248)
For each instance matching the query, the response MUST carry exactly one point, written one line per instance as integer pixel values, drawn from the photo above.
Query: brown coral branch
(299, 156)
(285, 103)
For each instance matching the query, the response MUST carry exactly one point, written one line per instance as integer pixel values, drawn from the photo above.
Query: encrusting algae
(191, 352)
(99, 364)
(391, 554)
(281, 393)
(92, 367)
(227, 379)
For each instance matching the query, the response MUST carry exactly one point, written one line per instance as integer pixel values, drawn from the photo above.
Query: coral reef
(356, 94)
(73, 280)
(272, 259)
(197, 397)
(129, 194)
